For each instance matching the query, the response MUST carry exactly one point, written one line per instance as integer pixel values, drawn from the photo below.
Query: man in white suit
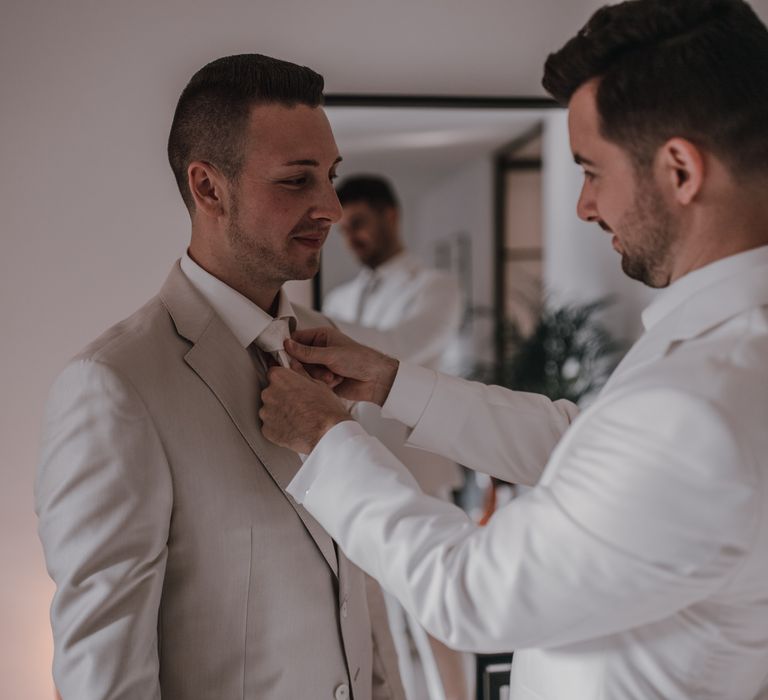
(395, 303)
(182, 568)
(637, 566)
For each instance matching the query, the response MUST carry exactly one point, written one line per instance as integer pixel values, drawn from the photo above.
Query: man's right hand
(356, 372)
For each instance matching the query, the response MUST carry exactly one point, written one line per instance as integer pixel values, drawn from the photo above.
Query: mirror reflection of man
(411, 312)
(182, 568)
(395, 303)
(636, 567)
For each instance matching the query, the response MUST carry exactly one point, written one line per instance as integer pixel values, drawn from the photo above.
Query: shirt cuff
(325, 450)
(410, 393)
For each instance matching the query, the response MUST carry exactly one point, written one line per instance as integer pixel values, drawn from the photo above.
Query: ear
(208, 187)
(392, 216)
(682, 169)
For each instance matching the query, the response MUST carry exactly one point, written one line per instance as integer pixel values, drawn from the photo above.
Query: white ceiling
(494, 47)
(97, 81)
(366, 130)
(417, 146)
(415, 46)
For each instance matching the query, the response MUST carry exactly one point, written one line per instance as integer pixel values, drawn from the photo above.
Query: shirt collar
(241, 315)
(688, 286)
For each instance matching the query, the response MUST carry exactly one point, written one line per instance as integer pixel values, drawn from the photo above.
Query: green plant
(568, 355)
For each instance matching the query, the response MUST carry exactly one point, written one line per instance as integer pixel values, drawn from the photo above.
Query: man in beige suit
(182, 568)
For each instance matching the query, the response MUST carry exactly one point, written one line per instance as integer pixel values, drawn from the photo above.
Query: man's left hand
(297, 410)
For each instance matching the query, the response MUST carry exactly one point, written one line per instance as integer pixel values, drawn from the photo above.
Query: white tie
(365, 295)
(271, 340)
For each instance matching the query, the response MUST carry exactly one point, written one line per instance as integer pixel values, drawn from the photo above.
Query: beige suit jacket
(182, 568)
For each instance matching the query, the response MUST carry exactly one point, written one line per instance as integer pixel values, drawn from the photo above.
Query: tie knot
(271, 339)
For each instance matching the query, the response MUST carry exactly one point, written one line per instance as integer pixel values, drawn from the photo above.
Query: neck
(260, 292)
(732, 225)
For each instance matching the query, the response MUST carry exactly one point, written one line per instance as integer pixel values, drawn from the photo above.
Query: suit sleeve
(430, 323)
(103, 499)
(504, 433)
(633, 526)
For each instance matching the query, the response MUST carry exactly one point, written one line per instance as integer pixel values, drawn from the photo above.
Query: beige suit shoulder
(141, 332)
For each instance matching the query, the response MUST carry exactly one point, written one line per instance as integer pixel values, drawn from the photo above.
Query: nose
(586, 208)
(328, 206)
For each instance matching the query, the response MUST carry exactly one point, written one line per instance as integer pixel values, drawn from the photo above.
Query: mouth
(616, 245)
(313, 241)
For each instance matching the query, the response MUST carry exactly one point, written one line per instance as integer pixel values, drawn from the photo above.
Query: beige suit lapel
(229, 371)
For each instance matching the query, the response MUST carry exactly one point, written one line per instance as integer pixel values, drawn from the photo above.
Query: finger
(312, 336)
(307, 354)
(297, 367)
(346, 389)
(278, 372)
(332, 379)
(319, 372)
(324, 375)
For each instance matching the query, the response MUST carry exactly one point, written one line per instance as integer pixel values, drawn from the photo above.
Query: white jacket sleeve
(630, 527)
(103, 498)
(504, 433)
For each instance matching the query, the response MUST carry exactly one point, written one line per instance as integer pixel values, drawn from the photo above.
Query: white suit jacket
(637, 568)
(413, 313)
(182, 568)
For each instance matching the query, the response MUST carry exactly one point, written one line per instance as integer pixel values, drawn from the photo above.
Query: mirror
(468, 174)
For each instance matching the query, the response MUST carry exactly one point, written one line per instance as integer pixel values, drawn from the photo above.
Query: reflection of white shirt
(412, 313)
(636, 568)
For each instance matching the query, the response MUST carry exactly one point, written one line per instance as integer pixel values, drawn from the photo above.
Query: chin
(306, 271)
(638, 270)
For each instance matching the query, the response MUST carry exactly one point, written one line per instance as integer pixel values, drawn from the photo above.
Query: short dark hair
(212, 113)
(374, 190)
(696, 69)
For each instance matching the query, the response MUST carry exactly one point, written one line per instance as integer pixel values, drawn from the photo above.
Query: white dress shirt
(246, 320)
(637, 568)
(409, 312)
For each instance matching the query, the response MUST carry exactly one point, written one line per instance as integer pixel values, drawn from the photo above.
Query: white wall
(462, 202)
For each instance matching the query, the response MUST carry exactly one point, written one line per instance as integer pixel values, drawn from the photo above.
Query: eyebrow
(581, 160)
(310, 161)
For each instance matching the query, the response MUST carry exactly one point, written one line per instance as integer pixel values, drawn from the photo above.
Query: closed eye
(295, 181)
